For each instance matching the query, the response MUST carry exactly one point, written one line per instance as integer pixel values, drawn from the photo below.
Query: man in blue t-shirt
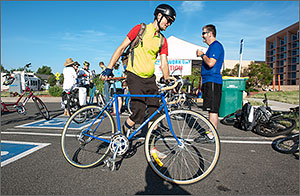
(212, 62)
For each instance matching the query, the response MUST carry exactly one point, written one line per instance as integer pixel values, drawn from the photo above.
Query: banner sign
(184, 67)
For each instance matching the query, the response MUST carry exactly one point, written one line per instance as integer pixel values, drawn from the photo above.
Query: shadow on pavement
(157, 186)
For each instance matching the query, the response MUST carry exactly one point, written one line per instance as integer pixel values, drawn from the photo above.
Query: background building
(282, 54)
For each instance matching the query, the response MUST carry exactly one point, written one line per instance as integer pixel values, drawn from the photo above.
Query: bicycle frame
(115, 99)
(5, 109)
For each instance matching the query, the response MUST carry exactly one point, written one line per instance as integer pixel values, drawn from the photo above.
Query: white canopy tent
(181, 54)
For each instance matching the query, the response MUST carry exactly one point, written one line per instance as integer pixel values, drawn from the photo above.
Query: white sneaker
(160, 155)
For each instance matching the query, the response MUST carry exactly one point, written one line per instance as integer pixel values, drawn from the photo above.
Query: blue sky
(49, 32)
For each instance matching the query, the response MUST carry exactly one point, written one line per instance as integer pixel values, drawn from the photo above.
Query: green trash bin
(232, 94)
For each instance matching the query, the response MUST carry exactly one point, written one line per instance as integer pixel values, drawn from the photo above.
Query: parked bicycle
(76, 99)
(177, 147)
(19, 106)
(266, 122)
(178, 98)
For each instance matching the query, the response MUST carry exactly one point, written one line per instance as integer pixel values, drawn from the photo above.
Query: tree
(44, 70)
(52, 80)
(61, 78)
(3, 70)
(259, 74)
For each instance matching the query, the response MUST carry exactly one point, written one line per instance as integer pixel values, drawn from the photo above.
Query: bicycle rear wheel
(287, 145)
(87, 146)
(277, 125)
(187, 163)
(41, 107)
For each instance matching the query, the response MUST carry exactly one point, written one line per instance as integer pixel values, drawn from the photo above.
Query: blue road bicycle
(176, 145)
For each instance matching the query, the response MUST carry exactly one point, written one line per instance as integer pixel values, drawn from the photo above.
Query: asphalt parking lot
(247, 166)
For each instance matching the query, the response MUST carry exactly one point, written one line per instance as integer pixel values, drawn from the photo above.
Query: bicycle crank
(119, 144)
(21, 110)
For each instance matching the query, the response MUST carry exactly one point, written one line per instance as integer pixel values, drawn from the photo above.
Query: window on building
(293, 67)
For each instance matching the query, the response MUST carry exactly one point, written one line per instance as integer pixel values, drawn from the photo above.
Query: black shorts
(211, 94)
(118, 91)
(144, 86)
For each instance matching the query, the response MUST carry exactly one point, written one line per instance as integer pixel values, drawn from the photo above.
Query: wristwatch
(202, 55)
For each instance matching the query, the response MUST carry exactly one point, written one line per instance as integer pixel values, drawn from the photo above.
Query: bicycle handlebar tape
(171, 87)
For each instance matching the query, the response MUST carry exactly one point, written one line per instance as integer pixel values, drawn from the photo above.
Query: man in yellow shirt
(140, 72)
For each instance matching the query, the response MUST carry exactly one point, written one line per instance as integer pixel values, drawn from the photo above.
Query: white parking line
(244, 141)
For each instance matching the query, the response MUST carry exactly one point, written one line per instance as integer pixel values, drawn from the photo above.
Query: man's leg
(213, 118)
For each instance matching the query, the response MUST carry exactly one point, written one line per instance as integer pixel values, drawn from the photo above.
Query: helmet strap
(158, 21)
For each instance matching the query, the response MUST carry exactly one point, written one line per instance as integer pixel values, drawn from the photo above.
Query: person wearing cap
(70, 77)
(140, 72)
(85, 76)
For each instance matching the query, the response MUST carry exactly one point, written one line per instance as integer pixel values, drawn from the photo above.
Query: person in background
(70, 78)
(106, 84)
(85, 77)
(116, 87)
(212, 80)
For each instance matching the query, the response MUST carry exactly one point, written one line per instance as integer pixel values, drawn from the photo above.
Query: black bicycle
(266, 122)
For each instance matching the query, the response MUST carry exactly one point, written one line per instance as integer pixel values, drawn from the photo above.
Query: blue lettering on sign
(173, 62)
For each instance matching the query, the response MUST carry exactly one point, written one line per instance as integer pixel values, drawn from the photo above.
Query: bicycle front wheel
(190, 161)
(88, 145)
(277, 125)
(41, 107)
(287, 145)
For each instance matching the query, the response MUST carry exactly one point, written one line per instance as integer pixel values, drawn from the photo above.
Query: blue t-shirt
(118, 73)
(213, 74)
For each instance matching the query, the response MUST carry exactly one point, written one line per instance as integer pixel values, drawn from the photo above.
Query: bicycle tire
(41, 107)
(287, 145)
(230, 119)
(100, 99)
(277, 125)
(83, 151)
(194, 160)
(72, 107)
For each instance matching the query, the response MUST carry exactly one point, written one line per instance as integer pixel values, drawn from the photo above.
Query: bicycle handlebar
(171, 87)
(116, 78)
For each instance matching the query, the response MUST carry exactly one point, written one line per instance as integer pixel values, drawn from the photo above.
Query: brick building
(282, 54)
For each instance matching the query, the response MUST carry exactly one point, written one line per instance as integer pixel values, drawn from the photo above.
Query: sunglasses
(169, 19)
(203, 33)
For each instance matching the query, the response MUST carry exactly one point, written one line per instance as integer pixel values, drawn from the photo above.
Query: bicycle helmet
(86, 63)
(165, 10)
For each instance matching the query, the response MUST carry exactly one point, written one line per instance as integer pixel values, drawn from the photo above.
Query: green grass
(291, 97)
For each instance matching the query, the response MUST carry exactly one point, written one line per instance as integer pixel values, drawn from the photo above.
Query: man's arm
(164, 66)
(119, 51)
(209, 61)
(115, 57)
